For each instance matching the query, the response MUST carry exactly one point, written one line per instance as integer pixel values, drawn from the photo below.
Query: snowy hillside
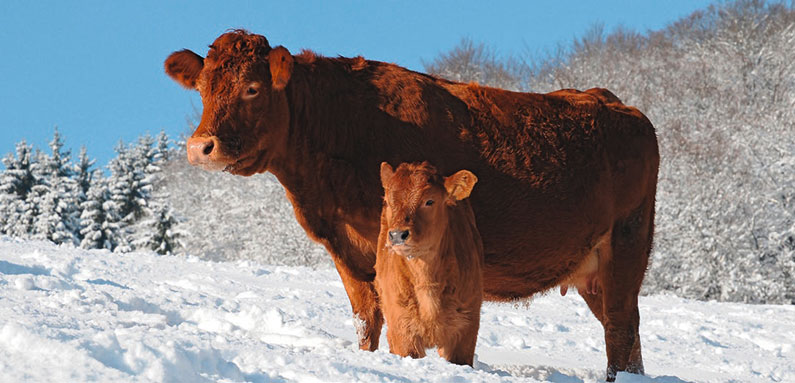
(79, 315)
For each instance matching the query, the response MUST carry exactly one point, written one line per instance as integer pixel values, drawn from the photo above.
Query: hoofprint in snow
(76, 315)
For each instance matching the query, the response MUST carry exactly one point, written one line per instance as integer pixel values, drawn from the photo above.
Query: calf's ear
(184, 67)
(386, 173)
(460, 184)
(281, 63)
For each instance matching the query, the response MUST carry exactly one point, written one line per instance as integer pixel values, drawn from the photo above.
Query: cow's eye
(429, 202)
(252, 91)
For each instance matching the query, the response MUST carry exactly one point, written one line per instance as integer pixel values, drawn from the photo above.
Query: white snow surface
(72, 315)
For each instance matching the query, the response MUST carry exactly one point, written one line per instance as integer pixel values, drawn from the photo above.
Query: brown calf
(428, 266)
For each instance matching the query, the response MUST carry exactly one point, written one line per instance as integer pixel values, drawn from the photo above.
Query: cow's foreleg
(367, 317)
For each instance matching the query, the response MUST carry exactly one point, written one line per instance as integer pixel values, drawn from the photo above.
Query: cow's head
(245, 116)
(417, 205)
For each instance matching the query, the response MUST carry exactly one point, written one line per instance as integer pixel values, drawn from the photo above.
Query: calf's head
(245, 115)
(417, 206)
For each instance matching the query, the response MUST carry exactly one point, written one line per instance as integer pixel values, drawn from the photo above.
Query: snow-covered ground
(73, 315)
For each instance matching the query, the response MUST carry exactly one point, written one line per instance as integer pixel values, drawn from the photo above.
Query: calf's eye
(251, 91)
(429, 202)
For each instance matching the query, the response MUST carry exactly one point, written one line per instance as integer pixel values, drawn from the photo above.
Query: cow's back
(550, 141)
(556, 169)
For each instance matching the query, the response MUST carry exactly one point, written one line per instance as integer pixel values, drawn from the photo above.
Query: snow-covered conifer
(162, 148)
(55, 196)
(124, 200)
(16, 182)
(159, 230)
(57, 220)
(58, 161)
(147, 160)
(99, 228)
(83, 174)
(18, 177)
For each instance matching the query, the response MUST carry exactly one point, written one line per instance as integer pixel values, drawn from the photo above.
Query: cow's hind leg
(635, 364)
(367, 316)
(621, 275)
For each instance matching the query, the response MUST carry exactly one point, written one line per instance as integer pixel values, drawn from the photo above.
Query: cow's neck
(331, 163)
(358, 118)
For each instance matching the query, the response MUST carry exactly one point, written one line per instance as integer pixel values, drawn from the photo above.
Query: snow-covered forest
(47, 196)
(719, 86)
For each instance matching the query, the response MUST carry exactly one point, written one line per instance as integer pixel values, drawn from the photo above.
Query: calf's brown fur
(428, 266)
(562, 175)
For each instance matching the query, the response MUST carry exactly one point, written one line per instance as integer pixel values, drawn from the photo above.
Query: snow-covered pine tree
(57, 218)
(83, 174)
(99, 227)
(83, 177)
(18, 177)
(155, 218)
(162, 148)
(16, 182)
(55, 196)
(130, 186)
(122, 201)
(159, 230)
(145, 152)
(58, 162)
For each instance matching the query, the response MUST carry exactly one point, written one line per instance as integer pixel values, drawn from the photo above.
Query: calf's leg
(402, 340)
(461, 349)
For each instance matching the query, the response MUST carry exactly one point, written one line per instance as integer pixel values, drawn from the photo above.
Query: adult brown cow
(566, 178)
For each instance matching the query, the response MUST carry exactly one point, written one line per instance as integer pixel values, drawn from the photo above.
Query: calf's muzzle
(398, 237)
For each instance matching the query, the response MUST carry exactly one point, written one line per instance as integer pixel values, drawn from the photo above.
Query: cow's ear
(184, 67)
(460, 184)
(281, 63)
(386, 173)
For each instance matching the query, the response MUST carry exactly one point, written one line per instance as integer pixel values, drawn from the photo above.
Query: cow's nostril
(404, 235)
(208, 148)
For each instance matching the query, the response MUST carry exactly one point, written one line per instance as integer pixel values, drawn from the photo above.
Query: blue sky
(95, 68)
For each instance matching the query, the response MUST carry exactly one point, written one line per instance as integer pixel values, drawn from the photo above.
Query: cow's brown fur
(429, 285)
(562, 174)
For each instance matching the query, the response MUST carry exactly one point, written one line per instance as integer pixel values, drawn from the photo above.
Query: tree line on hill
(47, 196)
